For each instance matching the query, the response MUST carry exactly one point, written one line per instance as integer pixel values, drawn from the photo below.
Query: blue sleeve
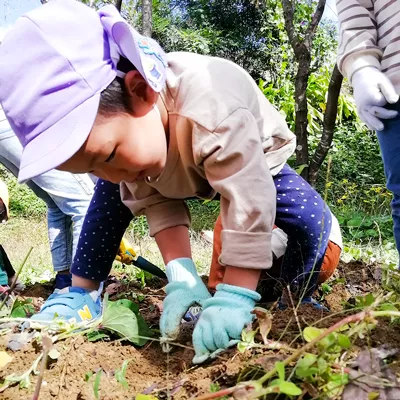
(105, 223)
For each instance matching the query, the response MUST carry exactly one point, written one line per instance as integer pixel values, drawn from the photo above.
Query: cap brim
(60, 142)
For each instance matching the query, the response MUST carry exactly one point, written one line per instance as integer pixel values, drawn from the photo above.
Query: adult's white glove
(372, 91)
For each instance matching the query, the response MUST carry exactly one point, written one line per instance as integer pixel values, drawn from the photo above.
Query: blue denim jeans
(389, 141)
(67, 197)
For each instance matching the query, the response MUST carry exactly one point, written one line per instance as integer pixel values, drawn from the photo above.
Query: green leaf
(121, 320)
(322, 366)
(304, 367)
(145, 397)
(142, 327)
(311, 333)
(25, 382)
(307, 360)
(290, 389)
(355, 222)
(328, 341)
(120, 374)
(280, 368)
(299, 169)
(88, 375)
(387, 307)
(96, 335)
(242, 347)
(248, 336)
(128, 304)
(96, 384)
(344, 341)
(336, 383)
(22, 308)
(373, 396)
(306, 372)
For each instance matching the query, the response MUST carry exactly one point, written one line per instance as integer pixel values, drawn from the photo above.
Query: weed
(120, 374)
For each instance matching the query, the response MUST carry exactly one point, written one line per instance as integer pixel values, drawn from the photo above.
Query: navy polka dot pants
(304, 216)
(105, 223)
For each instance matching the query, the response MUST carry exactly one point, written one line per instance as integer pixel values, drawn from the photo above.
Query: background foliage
(252, 34)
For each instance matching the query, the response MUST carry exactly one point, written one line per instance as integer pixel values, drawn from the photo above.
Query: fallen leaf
(264, 318)
(18, 340)
(113, 288)
(54, 354)
(372, 376)
(4, 359)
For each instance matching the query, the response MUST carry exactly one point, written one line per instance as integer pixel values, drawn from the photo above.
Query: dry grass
(18, 235)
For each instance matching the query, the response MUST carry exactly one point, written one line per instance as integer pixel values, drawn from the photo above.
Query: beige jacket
(225, 137)
(369, 36)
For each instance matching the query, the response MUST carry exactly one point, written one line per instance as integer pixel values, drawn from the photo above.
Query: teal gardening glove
(184, 289)
(223, 318)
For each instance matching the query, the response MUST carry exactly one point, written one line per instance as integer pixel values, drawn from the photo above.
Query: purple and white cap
(54, 63)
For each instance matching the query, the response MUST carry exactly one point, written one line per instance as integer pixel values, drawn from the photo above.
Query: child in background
(167, 128)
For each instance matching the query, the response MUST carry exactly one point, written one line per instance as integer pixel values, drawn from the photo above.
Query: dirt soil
(150, 371)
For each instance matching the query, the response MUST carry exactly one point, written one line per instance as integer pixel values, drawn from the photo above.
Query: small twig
(16, 278)
(47, 344)
(225, 392)
(295, 312)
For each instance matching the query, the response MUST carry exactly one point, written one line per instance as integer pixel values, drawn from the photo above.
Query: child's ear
(142, 96)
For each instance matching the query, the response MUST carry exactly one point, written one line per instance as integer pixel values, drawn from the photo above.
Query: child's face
(122, 147)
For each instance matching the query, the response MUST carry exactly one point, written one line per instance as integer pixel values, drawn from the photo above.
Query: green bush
(23, 202)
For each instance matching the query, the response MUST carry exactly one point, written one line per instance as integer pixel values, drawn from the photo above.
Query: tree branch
(118, 5)
(330, 115)
(288, 14)
(316, 18)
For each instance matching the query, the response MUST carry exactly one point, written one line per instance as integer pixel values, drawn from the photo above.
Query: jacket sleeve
(358, 36)
(235, 166)
(161, 212)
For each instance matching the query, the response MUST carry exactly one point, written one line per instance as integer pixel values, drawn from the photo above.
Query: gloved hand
(125, 254)
(223, 318)
(184, 289)
(372, 91)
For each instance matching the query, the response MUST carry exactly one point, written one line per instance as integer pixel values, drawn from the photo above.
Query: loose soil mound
(150, 371)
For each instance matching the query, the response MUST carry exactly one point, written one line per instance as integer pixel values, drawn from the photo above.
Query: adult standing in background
(369, 57)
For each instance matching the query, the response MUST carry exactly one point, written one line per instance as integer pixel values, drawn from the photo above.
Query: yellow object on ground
(125, 254)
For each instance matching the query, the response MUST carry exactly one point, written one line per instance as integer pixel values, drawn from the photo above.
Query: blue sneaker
(306, 300)
(63, 280)
(71, 302)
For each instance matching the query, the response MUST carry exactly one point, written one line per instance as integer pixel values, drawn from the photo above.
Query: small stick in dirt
(47, 344)
(295, 312)
(16, 278)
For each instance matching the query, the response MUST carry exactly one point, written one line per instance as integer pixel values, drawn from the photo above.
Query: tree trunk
(147, 18)
(330, 115)
(302, 47)
(118, 5)
(301, 109)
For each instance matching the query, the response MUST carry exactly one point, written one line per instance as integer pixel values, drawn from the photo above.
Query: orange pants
(329, 264)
